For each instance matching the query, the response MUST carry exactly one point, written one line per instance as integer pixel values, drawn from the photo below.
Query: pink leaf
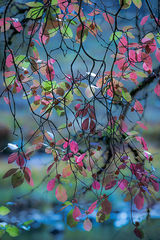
(51, 184)
(17, 26)
(144, 20)
(143, 142)
(74, 147)
(87, 225)
(92, 207)
(77, 106)
(60, 193)
(67, 156)
(76, 213)
(124, 126)
(108, 18)
(96, 185)
(139, 200)
(142, 125)
(158, 54)
(157, 90)
(80, 158)
(122, 184)
(122, 45)
(9, 60)
(138, 107)
(132, 57)
(133, 77)
(147, 65)
(85, 124)
(20, 160)
(7, 101)
(12, 157)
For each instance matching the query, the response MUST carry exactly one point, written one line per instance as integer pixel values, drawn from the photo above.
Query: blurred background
(40, 205)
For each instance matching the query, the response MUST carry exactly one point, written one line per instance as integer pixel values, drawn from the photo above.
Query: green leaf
(125, 3)
(12, 230)
(53, 32)
(83, 85)
(66, 31)
(77, 92)
(10, 80)
(35, 13)
(68, 98)
(49, 85)
(158, 38)
(115, 36)
(17, 179)
(137, 3)
(70, 220)
(130, 35)
(4, 210)
(141, 74)
(54, 2)
(126, 95)
(19, 59)
(62, 126)
(67, 203)
(28, 222)
(60, 111)
(34, 4)
(2, 231)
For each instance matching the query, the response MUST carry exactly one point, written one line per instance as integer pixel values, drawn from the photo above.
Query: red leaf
(29, 180)
(158, 54)
(92, 207)
(139, 200)
(51, 184)
(10, 172)
(138, 107)
(20, 160)
(76, 213)
(106, 206)
(12, 157)
(74, 147)
(155, 185)
(157, 90)
(138, 232)
(85, 124)
(92, 126)
(96, 185)
(50, 167)
(77, 106)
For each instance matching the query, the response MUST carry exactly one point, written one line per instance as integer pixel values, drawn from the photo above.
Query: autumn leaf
(61, 193)
(87, 224)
